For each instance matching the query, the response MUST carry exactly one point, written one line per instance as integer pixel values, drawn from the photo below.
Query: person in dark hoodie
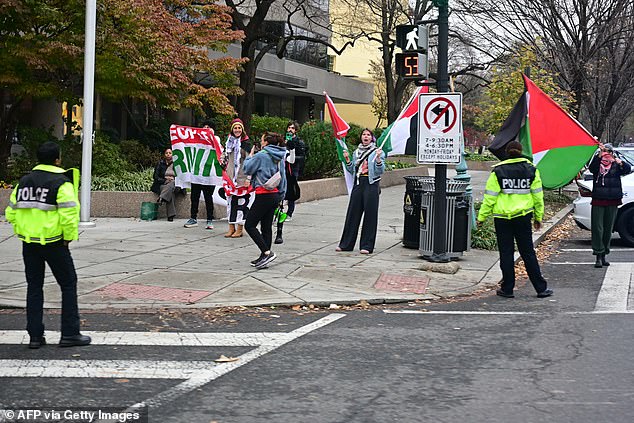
(607, 193)
(268, 177)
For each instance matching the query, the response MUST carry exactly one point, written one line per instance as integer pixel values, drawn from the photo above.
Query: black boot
(598, 263)
(604, 261)
(278, 237)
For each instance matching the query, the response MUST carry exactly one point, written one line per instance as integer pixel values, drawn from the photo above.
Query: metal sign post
(440, 171)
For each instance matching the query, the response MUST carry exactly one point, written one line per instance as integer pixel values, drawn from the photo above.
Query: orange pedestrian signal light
(412, 65)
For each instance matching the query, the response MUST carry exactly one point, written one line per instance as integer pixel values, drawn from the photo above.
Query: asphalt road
(488, 359)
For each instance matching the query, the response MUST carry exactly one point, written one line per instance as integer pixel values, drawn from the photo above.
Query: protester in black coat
(298, 151)
(163, 184)
(607, 194)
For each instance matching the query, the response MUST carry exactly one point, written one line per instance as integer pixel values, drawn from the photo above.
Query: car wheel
(625, 226)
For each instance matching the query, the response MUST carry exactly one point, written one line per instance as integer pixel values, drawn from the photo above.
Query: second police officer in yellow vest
(513, 196)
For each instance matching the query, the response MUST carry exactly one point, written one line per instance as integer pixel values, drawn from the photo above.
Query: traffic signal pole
(440, 170)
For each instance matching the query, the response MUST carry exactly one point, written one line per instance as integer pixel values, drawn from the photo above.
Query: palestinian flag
(340, 127)
(557, 144)
(400, 136)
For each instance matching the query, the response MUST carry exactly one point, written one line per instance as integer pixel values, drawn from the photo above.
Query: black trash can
(411, 209)
(458, 229)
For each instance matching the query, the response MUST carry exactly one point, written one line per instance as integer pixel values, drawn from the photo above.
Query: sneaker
(253, 262)
(210, 224)
(191, 223)
(264, 261)
(288, 219)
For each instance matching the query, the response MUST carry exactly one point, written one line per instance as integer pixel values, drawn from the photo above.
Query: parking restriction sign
(439, 128)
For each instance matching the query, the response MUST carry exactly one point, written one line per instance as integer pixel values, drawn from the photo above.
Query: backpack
(274, 181)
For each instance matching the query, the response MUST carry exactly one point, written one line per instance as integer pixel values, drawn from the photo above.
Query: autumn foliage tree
(150, 50)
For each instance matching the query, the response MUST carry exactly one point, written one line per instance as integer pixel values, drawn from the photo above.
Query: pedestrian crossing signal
(412, 65)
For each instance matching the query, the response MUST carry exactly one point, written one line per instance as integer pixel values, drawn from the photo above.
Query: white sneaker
(210, 225)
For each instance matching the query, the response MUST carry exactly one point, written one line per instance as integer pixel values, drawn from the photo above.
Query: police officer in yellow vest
(513, 194)
(44, 212)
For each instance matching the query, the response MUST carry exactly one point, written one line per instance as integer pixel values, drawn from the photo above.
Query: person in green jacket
(44, 211)
(513, 195)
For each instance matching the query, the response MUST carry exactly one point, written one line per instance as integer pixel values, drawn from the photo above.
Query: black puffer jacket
(159, 176)
(608, 186)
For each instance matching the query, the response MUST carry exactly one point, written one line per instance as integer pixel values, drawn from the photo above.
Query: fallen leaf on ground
(224, 359)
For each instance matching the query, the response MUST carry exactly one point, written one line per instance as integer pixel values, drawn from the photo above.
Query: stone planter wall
(128, 204)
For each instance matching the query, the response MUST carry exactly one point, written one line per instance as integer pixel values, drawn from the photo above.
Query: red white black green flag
(557, 143)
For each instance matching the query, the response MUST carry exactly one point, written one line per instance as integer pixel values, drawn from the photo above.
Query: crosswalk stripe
(615, 288)
(503, 313)
(127, 369)
(180, 339)
(613, 250)
(204, 377)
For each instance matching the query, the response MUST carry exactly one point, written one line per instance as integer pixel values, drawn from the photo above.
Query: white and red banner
(196, 156)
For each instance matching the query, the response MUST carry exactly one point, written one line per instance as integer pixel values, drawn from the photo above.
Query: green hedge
(126, 181)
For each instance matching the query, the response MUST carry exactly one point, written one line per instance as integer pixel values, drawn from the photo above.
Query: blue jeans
(58, 257)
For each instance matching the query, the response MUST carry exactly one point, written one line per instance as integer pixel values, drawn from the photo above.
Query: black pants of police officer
(519, 230)
(58, 258)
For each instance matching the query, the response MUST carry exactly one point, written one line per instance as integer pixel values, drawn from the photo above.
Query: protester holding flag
(268, 177)
(513, 195)
(163, 184)
(236, 150)
(298, 152)
(367, 166)
(607, 193)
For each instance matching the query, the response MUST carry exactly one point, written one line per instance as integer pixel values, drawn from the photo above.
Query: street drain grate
(149, 292)
(402, 283)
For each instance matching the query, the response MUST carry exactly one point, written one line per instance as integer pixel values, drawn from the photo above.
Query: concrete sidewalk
(127, 264)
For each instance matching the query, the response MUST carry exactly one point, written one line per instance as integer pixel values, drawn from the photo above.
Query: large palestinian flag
(558, 145)
(400, 136)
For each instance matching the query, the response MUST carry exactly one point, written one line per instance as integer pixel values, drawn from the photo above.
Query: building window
(272, 105)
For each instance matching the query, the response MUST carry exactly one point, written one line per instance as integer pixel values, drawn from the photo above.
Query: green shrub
(475, 157)
(322, 159)
(139, 156)
(554, 196)
(126, 181)
(483, 237)
(107, 159)
(395, 164)
(261, 124)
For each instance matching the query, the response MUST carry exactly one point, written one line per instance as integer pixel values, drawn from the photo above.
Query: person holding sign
(236, 150)
(268, 177)
(367, 166)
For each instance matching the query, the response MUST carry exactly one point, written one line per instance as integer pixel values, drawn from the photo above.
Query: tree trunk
(246, 102)
(8, 121)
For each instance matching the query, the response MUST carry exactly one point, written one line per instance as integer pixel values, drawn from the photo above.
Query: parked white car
(624, 224)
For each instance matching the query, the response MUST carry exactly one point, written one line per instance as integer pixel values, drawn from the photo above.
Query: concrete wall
(128, 204)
